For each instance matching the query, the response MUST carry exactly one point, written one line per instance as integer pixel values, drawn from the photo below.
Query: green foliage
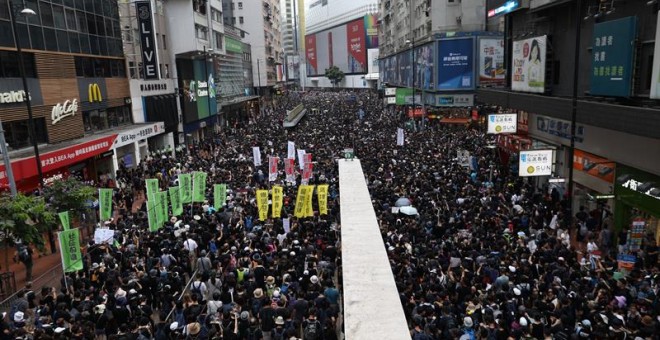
(25, 218)
(68, 195)
(334, 74)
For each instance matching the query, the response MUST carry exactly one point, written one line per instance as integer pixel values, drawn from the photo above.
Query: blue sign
(612, 57)
(456, 64)
(498, 7)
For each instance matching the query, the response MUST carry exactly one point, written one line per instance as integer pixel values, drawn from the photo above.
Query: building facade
(614, 110)
(78, 90)
(197, 39)
(261, 22)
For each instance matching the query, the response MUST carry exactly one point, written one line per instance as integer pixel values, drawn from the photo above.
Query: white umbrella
(409, 210)
(402, 202)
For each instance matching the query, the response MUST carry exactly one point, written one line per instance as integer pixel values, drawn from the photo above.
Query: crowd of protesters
(489, 256)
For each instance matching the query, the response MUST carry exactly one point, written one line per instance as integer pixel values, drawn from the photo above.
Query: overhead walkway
(372, 308)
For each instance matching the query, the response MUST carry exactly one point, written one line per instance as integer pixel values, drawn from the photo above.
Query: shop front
(156, 101)
(637, 195)
(101, 110)
(198, 101)
(594, 179)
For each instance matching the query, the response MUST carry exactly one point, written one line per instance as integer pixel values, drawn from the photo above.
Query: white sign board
(390, 100)
(528, 62)
(390, 91)
(103, 235)
(138, 134)
(535, 163)
(502, 123)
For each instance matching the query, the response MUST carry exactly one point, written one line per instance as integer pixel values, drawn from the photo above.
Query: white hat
(19, 316)
(512, 269)
(516, 291)
(523, 321)
(132, 291)
(197, 217)
(174, 325)
(467, 322)
(314, 279)
(306, 272)
(60, 330)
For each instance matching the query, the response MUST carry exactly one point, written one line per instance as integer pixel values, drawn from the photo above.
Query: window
(233, 21)
(240, 5)
(58, 17)
(46, 13)
(232, 6)
(164, 42)
(216, 15)
(99, 67)
(71, 22)
(240, 20)
(9, 65)
(17, 133)
(201, 32)
(218, 39)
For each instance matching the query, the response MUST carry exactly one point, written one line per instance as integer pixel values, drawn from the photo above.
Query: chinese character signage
(455, 64)
(560, 128)
(502, 123)
(147, 42)
(528, 62)
(491, 62)
(535, 163)
(72, 260)
(638, 189)
(612, 57)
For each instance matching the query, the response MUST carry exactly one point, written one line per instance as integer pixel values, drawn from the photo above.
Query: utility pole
(5, 157)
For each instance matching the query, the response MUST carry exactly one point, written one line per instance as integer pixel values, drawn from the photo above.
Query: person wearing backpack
(312, 328)
(24, 255)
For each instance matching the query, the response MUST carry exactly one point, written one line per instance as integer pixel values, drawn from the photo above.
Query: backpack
(278, 334)
(254, 333)
(196, 290)
(23, 253)
(312, 330)
(469, 332)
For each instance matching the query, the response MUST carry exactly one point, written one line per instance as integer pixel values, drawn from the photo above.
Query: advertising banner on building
(612, 57)
(390, 91)
(280, 73)
(292, 67)
(233, 45)
(593, 165)
(310, 53)
(147, 41)
(500, 7)
(404, 96)
(491, 62)
(560, 128)
(424, 66)
(356, 46)
(372, 61)
(655, 75)
(199, 89)
(528, 62)
(453, 100)
(455, 64)
(535, 163)
(502, 123)
(371, 29)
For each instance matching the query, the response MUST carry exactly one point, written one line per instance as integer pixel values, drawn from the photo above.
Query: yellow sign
(262, 204)
(278, 196)
(299, 210)
(309, 209)
(94, 93)
(322, 196)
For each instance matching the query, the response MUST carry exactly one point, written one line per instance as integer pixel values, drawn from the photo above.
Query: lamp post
(576, 68)
(21, 68)
(5, 157)
(259, 77)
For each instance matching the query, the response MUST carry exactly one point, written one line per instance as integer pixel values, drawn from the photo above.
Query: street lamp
(21, 68)
(576, 68)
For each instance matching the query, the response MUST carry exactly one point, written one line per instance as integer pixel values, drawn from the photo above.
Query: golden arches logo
(94, 93)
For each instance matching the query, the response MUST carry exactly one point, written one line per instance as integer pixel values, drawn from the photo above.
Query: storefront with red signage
(594, 180)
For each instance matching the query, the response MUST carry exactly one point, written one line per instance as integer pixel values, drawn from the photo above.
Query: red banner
(272, 168)
(307, 172)
(310, 52)
(27, 167)
(595, 166)
(289, 169)
(355, 41)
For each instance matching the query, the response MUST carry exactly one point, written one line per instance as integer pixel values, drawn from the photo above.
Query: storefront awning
(455, 120)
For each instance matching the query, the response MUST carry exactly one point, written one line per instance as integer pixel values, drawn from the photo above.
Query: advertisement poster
(655, 75)
(535, 163)
(310, 52)
(371, 29)
(292, 67)
(491, 62)
(198, 83)
(356, 46)
(372, 58)
(502, 123)
(455, 64)
(612, 64)
(560, 128)
(593, 165)
(528, 60)
(424, 66)
(405, 97)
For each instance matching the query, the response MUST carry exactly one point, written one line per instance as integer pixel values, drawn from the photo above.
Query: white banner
(535, 163)
(491, 62)
(528, 62)
(399, 137)
(291, 150)
(655, 74)
(287, 225)
(256, 155)
(301, 159)
(502, 123)
(390, 91)
(463, 158)
(103, 235)
(138, 133)
(372, 60)
(390, 100)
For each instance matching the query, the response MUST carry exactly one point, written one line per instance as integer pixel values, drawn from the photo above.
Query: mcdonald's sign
(94, 93)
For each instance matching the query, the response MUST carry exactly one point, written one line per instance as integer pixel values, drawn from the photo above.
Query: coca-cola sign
(63, 110)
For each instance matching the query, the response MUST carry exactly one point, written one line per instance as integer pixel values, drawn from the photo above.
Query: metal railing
(183, 292)
(51, 278)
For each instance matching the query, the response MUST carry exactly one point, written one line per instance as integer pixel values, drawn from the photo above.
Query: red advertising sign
(355, 40)
(310, 52)
(593, 165)
(26, 167)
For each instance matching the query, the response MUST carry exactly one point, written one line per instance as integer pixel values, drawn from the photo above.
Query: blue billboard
(455, 64)
(612, 63)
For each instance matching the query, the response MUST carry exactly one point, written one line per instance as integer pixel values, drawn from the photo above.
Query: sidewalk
(42, 265)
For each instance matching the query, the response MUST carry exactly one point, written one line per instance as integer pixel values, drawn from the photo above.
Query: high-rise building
(261, 22)
(78, 92)
(197, 38)
(340, 33)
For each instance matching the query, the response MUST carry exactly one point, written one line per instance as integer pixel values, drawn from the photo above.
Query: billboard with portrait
(424, 66)
(528, 62)
(455, 64)
(344, 46)
(197, 80)
(372, 57)
(292, 67)
(491, 62)
(311, 55)
(612, 63)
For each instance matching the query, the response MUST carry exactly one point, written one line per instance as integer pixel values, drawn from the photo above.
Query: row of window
(99, 67)
(99, 120)
(107, 8)
(17, 133)
(225, 5)
(9, 65)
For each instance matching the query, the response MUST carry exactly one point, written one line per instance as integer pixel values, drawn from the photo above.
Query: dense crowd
(489, 256)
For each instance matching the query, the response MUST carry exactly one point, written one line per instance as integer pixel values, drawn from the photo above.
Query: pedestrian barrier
(183, 293)
(51, 278)
(372, 308)
(294, 116)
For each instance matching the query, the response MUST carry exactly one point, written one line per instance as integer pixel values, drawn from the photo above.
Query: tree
(24, 219)
(69, 195)
(334, 74)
